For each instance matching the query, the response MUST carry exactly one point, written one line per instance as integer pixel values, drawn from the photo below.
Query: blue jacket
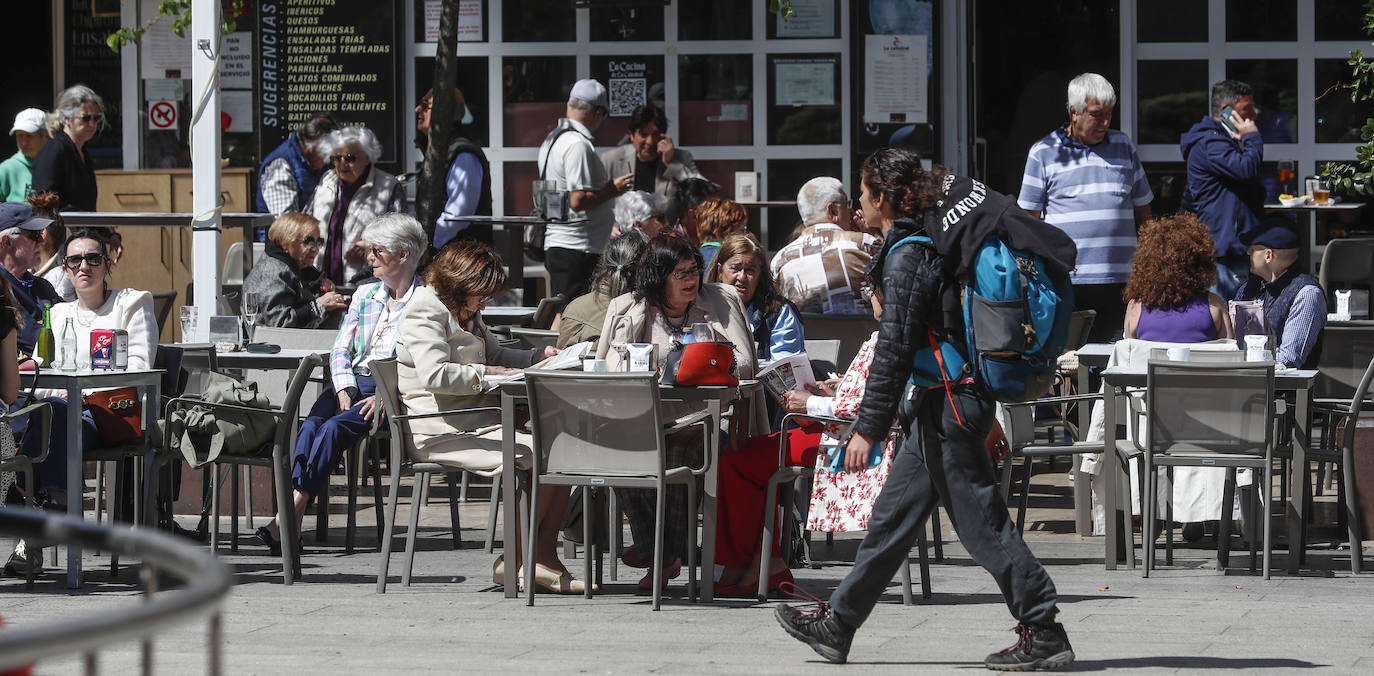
(306, 178)
(1224, 188)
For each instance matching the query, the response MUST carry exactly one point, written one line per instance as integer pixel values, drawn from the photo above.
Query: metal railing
(207, 582)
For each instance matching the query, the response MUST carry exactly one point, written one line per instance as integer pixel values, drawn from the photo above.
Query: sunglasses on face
(89, 117)
(312, 241)
(377, 251)
(348, 158)
(94, 260)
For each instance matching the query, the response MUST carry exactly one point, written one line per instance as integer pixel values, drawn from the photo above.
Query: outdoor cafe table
(504, 315)
(196, 358)
(1299, 382)
(73, 382)
(711, 396)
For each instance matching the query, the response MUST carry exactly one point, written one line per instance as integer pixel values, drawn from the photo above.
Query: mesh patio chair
(402, 453)
(533, 338)
(606, 429)
(41, 412)
(276, 454)
(1339, 449)
(1201, 414)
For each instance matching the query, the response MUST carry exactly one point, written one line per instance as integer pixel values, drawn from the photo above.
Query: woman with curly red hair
(1167, 294)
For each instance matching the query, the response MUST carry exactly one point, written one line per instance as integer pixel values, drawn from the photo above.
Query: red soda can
(121, 350)
(102, 349)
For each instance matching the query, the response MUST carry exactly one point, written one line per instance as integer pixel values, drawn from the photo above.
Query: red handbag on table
(700, 364)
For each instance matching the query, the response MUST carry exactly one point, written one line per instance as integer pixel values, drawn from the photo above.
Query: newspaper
(569, 357)
(786, 374)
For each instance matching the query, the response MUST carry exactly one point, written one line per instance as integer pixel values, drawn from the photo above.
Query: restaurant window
(472, 82)
(722, 172)
(1158, 21)
(1339, 20)
(472, 20)
(715, 20)
(1275, 82)
(88, 61)
(627, 23)
(538, 21)
(631, 82)
(804, 99)
(1167, 181)
(535, 95)
(1257, 20)
(715, 95)
(1173, 96)
(785, 178)
(1337, 223)
(810, 19)
(1338, 119)
(519, 193)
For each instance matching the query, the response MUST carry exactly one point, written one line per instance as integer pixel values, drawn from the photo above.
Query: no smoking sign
(162, 115)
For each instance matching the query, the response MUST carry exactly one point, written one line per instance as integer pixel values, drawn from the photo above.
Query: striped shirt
(1089, 192)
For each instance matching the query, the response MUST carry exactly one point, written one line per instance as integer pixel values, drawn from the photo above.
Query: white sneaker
(18, 565)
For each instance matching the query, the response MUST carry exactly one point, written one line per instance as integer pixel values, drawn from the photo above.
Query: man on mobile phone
(1085, 178)
(1223, 153)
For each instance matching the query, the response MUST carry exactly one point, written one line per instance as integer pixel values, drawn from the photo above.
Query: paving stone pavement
(1184, 619)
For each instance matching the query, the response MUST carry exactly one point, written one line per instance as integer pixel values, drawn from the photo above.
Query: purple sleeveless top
(1189, 323)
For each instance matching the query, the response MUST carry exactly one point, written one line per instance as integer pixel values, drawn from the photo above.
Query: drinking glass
(189, 316)
(250, 315)
(1288, 174)
(538, 188)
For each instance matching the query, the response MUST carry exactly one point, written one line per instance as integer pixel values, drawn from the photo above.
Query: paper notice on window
(804, 82)
(895, 78)
(163, 54)
(810, 19)
(236, 61)
(469, 20)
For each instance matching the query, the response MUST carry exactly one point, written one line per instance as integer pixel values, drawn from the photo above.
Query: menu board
(335, 56)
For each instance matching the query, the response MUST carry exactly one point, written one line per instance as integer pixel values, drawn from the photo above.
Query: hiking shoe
(1038, 647)
(18, 564)
(818, 627)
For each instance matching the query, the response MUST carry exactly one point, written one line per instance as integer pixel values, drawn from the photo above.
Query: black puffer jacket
(916, 296)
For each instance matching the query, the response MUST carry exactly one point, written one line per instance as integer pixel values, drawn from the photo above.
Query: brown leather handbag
(118, 415)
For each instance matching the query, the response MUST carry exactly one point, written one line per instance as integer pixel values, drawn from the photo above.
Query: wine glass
(1288, 171)
(250, 315)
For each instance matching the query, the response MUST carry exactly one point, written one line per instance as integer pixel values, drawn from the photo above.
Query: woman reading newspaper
(845, 499)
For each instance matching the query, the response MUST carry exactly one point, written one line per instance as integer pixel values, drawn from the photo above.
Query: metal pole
(205, 154)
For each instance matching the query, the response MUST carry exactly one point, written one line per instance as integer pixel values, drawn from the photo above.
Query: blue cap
(1275, 232)
(20, 215)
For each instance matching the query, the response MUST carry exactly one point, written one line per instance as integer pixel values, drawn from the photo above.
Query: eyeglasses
(312, 241)
(89, 118)
(751, 270)
(35, 235)
(378, 251)
(349, 158)
(684, 275)
(94, 260)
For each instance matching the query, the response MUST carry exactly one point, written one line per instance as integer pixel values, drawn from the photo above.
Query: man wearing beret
(1294, 303)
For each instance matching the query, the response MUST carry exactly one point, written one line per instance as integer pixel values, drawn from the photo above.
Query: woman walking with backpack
(943, 457)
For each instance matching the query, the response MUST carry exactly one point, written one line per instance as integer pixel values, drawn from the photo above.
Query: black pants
(1111, 309)
(944, 460)
(570, 271)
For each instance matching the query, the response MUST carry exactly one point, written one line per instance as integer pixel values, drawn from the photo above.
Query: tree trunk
(430, 195)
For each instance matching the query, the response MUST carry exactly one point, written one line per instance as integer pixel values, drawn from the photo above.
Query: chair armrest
(185, 402)
(693, 419)
(1065, 399)
(44, 410)
(457, 411)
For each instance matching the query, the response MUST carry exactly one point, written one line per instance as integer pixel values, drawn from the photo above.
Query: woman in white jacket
(350, 196)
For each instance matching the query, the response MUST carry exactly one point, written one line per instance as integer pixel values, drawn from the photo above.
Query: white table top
(507, 311)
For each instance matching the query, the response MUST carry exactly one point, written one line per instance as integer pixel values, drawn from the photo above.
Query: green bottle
(47, 348)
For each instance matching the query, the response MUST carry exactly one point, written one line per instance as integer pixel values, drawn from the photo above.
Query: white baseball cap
(29, 120)
(591, 91)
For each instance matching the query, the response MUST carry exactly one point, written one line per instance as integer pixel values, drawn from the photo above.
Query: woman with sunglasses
(445, 360)
(63, 166)
(87, 264)
(667, 298)
(351, 194)
(284, 288)
(344, 412)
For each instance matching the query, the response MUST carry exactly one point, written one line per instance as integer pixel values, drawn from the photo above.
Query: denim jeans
(325, 434)
(944, 460)
(1231, 275)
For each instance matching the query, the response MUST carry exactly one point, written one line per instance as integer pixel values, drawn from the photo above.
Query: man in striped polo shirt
(1086, 179)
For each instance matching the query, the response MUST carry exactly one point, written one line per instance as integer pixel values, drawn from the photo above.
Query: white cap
(591, 91)
(29, 120)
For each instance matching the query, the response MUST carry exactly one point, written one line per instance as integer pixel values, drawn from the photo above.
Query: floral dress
(842, 502)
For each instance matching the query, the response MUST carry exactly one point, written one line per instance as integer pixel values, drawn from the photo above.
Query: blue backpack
(1016, 322)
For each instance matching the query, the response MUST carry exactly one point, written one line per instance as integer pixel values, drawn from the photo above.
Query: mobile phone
(1226, 119)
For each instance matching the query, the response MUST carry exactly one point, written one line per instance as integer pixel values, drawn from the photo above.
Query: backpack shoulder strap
(552, 139)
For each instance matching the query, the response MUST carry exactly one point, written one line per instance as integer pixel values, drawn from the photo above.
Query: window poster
(804, 81)
(895, 72)
(469, 20)
(812, 19)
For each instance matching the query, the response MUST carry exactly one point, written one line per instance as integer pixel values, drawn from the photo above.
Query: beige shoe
(498, 570)
(546, 579)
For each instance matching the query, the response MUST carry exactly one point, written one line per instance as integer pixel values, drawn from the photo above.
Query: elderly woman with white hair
(343, 413)
(63, 166)
(639, 209)
(350, 195)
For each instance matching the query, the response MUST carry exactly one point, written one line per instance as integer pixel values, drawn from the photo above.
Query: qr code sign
(626, 94)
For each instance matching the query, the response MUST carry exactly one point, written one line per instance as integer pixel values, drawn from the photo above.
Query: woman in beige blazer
(445, 361)
(669, 297)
